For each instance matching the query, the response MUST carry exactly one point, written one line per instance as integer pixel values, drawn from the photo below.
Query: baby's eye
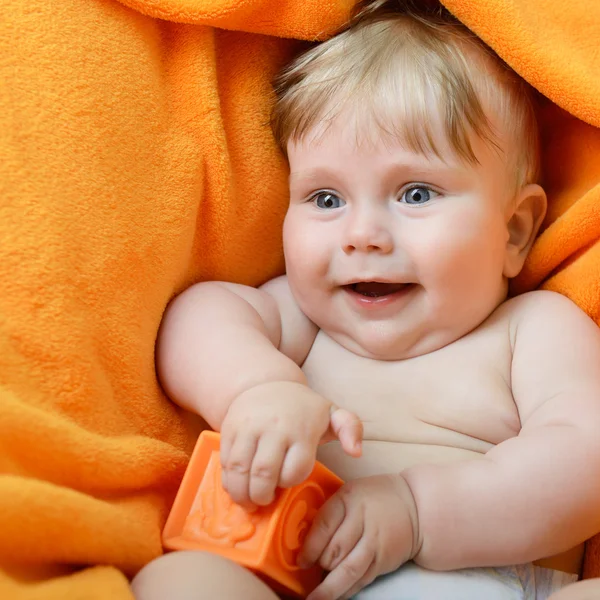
(327, 200)
(418, 194)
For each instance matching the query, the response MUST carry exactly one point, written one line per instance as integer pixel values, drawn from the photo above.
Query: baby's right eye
(327, 200)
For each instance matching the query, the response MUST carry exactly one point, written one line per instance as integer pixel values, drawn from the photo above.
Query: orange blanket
(135, 159)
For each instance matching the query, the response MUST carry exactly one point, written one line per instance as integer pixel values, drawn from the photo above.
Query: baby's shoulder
(540, 307)
(547, 319)
(528, 309)
(556, 352)
(536, 303)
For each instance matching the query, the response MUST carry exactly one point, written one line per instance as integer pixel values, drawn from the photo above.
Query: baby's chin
(378, 344)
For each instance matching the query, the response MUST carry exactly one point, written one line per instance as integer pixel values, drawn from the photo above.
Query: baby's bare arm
(220, 339)
(537, 494)
(231, 353)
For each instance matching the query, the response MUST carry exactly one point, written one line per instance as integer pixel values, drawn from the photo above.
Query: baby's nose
(367, 235)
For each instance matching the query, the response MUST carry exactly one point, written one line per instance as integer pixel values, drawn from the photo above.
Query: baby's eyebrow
(424, 172)
(430, 169)
(305, 174)
(297, 178)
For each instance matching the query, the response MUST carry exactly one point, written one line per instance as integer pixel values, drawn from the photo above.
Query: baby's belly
(379, 457)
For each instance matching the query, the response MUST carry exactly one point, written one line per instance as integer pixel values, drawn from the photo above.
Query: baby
(465, 424)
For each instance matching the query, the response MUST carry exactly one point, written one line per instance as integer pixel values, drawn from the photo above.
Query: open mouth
(376, 289)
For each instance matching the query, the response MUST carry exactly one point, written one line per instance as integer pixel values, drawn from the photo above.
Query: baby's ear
(523, 225)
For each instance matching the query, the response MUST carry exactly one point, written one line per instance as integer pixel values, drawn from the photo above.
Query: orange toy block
(267, 541)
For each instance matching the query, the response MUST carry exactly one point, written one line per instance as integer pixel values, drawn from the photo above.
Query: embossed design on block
(218, 517)
(297, 516)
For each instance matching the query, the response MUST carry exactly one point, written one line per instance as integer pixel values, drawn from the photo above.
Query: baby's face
(392, 253)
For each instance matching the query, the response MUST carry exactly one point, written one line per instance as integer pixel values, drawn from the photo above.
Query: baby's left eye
(418, 195)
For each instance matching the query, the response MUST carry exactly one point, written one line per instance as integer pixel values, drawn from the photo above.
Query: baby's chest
(459, 396)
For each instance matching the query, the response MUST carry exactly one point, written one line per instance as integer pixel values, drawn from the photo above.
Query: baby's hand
(270, 435)
(368, 528)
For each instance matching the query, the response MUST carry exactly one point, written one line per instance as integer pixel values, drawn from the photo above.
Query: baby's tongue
(375, 289)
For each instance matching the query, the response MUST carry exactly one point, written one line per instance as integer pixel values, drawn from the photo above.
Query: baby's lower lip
(380, 300)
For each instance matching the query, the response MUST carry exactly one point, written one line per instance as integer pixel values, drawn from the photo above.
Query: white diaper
(519, 582)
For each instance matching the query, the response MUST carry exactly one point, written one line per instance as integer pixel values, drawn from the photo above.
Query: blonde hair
(392, 62)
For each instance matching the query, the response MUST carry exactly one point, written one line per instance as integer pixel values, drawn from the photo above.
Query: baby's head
(414, 161)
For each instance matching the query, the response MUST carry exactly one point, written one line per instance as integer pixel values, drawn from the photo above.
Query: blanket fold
(135, 159)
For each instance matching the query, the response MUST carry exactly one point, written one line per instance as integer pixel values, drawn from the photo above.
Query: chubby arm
(536, 494)
(218, 340)
(231, 353)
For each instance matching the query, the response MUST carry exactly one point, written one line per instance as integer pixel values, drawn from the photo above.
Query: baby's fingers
(326, 523)
(266, 468)
(348, 428)
(346, 575)
(297, 465)
(368, 578)
(235, 466)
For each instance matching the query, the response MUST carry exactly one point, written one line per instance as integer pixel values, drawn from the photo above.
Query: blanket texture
(135, 159)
